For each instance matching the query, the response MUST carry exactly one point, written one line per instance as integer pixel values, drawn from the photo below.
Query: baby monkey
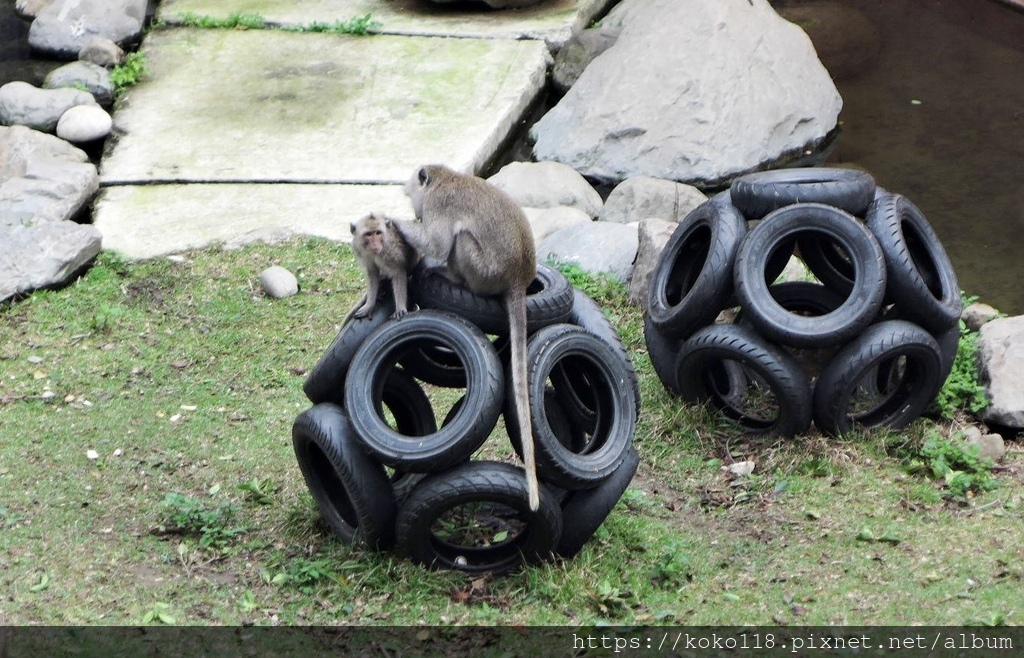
(384, 254)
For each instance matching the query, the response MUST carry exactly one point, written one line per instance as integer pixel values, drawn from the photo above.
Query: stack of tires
(389, 468)
(866, 337)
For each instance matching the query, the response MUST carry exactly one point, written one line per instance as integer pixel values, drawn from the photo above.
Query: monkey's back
(501, 253)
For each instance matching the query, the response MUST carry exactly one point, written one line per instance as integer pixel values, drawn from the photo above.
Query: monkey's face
(373, 240)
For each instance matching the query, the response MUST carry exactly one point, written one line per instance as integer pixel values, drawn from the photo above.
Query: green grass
(129, 73)
(357, 25)
(182, 380)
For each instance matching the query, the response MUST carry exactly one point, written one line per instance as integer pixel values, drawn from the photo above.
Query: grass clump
(962, 390)
(235, 21)
(357, 25)
(955, 463)
(215, 527)
(129, 73)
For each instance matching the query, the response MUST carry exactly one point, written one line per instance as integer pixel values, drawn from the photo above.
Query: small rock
(740, 469)
(278, 282)
(546, 185)
(102, 52)
(84, 76)
(652, 237)
(35, 360)
(977, 314)
(991, 446)
(21, 104)
(597, 247)
(92, 454)
(85, 123)
(545, 221)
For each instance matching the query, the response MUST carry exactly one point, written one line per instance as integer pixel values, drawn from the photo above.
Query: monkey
(384, 253)
(483, 241)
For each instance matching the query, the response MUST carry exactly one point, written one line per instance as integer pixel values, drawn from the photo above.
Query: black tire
(439, 366)
(692, 280)
(762, 192)
(458, 439)
(828, 263)
(894, 403)
(587, 314)
(408, 404)
(351, 490)
(663, 352)
(583, 512)
(774, 321)
(726, 365)
(608, 395)
(326, 381)
(501, 491)
(548, 300)
(922, 283)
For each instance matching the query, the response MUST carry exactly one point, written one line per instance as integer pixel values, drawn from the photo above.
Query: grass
(148, 478)
(128, 74)
(357, 25)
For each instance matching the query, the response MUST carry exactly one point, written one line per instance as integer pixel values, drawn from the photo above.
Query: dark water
(17, 61)
(936, 112)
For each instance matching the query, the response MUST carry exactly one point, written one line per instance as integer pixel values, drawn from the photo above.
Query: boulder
(653, 235)
(22, 104)
(546, 185)
(43, 179)
(697, 95)
(83, 124)
(597, 247)
(640, 197)
(102, 52)
(1001, 356)
(545, 221)
(577, 53)
(63, 27)
(83, 76)
(44, 255)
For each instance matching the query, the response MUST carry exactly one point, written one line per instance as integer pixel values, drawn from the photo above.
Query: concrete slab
(153, 220)
(272, 106)
(552, 21)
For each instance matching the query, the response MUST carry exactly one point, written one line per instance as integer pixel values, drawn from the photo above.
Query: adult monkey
(483, 240)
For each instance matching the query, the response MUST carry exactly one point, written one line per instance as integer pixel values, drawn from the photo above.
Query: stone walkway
(240, 131)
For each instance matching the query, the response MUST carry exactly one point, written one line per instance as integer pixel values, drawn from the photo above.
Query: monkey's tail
(515, 303)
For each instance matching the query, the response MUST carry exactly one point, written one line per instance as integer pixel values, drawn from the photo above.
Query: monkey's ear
(424, 176)
(352, 227)
(388, 221)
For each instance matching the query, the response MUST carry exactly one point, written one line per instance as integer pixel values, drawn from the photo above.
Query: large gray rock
(83, 76)
(597, 247)
(640, 197)
(63, 27)
(696, 93)
(33, 257)
(545, 221)
(43, 179)
(546, 185)
(1001, 356)
(577, 54)
(22, 104)
(495, 4)
(653, 236)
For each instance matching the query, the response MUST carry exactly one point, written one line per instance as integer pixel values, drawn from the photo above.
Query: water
(933, 108)
(937, 114)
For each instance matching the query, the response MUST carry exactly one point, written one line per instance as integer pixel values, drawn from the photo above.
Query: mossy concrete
(553, 21)
(144, 221)
(271, 106)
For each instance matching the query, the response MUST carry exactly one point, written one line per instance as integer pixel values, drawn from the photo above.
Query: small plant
(672, 568)
(957, 463)
(128, 74)
(259, 490)
(962, 390)
(595, 285)
(212, 526)
(159, 614)
(235, 21)
(358, 26)
(304, 574)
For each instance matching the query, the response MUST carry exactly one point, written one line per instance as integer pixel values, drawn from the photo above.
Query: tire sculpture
(378, 394)
(867, 344)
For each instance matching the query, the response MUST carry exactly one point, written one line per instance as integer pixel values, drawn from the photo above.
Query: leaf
(729, 596)
(865, 534)
(214, 490)
(42, 585)
(166, 618)
(501, 536)
(890, 538)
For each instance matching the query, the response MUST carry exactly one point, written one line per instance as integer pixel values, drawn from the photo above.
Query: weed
(212, 526)
(956, 463)
(358, 26)
(235, 21)
(259, 490)
(595, 285)
(962, 390)
(671, 569)
(159, 613)
(130, 73)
